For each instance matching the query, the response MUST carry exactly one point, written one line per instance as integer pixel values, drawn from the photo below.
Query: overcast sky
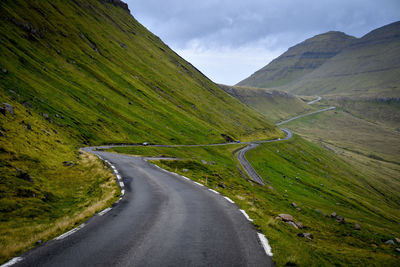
(228, 40)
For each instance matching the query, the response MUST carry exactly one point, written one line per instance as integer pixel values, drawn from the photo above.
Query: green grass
(349, 133)
(345, 189)
(130, 88)
(274, 105)
(56, 197)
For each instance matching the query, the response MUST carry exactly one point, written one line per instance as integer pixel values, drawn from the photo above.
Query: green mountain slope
(109, 79)
(299, 60)
(275, 105)
(369, 67)
(74, 73)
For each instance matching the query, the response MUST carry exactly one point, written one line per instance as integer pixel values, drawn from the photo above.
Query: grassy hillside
(308, 175)
(273, 104)
(93, 68)
(299, 60)
(383, 111)
(74, 73)
(46, 186)
(370, 67)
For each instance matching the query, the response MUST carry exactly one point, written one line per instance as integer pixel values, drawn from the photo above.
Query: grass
(321, 185)
(274, 105)
(106, 78)
(350, 134)
(40, 197)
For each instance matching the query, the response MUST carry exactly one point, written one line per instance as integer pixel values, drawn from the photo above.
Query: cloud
(200, 29)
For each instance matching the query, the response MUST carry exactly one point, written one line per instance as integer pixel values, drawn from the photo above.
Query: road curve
(163, 220)
(304, 115)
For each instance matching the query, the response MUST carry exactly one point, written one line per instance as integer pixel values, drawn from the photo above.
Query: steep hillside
(299, 60)
(275, 105)
(369, 67)
(94, 69)
(81, 72)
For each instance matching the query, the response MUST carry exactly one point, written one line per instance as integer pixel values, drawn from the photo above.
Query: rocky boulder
(389, 242)
(286, 217)
(7, 108)
(293, 224)
(340, 219)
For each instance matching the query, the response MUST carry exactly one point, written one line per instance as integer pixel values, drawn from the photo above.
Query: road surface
(163, 220)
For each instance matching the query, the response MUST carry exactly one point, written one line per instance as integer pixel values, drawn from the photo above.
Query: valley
(200, 173)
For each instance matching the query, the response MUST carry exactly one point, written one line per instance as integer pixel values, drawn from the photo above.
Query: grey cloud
(230, 39)
(235, 23)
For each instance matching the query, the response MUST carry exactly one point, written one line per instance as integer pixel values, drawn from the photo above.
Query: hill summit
(299, 60)
(367, 67)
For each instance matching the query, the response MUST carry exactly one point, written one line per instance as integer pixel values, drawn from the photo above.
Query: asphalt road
(162, 220)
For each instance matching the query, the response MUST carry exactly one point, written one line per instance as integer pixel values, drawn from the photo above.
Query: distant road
(304, 115)
(251, 172)
(314, 101)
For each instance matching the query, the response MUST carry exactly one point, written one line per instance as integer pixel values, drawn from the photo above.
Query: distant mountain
(299, 60)
(367, 67)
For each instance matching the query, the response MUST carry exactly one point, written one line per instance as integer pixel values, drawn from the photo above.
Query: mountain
(92, 68)
(369, 67)
(299, 60)
(275, 105)
(83, 72)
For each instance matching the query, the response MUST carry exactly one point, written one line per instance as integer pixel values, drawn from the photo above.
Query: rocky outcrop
(118, 3)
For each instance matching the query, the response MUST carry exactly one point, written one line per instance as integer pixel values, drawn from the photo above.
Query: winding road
(163, 219)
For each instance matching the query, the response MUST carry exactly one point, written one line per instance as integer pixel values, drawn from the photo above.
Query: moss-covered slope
(93, 68)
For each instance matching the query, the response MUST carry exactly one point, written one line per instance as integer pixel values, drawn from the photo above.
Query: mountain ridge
(299, 60)
(368, 66)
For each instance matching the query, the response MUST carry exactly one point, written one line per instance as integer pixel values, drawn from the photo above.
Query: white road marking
(70, 232)
(198, 183)
(107, 161)
(230, 200)
(245, 215)
(214, 191)
(119, 177)
(122, 192)
(12, 261)
(265, 244)
(121, 184)
(113, 167)
(104, 211)
(116, 172)
(184, 177)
